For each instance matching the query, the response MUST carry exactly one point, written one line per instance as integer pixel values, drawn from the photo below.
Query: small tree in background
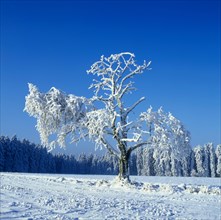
(108, 126)
(218, 159)
(200, 161)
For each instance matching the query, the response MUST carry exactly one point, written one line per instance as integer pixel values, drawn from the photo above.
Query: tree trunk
(124, 167)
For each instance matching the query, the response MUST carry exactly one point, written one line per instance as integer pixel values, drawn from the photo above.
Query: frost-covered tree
(200, 161)
(139, 162)
(192, 163)
(206, 160)
(149, 165)
(104, 118)
(143, 162)
(218, 159)
(185, 163)
(203, 161)
(170, 141)
(210, 163)
(212, 160)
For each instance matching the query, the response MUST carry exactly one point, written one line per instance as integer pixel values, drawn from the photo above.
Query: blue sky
(53, 43)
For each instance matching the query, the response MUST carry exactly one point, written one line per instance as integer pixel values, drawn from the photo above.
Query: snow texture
(34, 196)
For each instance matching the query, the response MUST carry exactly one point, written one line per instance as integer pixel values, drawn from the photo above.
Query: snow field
(38, 196)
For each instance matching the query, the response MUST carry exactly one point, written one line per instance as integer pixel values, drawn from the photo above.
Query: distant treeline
(23, 156)
(201, 161)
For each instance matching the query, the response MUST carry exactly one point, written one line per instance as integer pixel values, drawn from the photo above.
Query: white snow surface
(49, 196)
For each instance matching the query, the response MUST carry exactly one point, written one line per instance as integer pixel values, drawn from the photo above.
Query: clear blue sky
(53, 43)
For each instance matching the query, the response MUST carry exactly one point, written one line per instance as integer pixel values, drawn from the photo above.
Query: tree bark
(124, 167)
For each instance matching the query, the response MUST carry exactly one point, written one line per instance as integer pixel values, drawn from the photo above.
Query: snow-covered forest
(23, 156)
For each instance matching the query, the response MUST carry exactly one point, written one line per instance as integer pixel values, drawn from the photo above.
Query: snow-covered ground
(38, 196)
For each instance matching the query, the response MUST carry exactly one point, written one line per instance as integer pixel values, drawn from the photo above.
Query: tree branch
(126, 89)
(111, 150)
(137, 146)
(134, 106)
